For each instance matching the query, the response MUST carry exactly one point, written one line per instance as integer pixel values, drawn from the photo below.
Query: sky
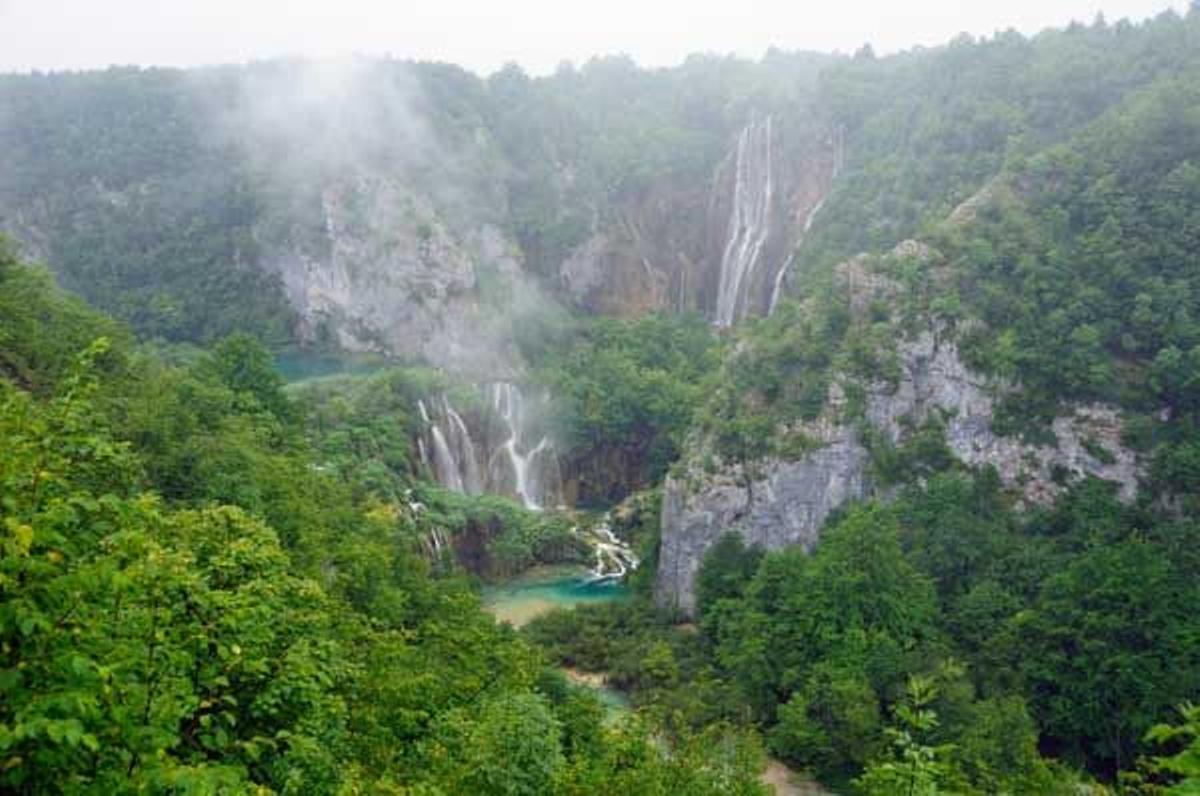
(483, 35)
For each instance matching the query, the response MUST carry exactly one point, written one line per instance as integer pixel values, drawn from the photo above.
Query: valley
(374, 426)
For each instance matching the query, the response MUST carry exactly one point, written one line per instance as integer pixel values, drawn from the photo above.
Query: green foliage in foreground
(943, 642)
(1180, 770)
(188, 605)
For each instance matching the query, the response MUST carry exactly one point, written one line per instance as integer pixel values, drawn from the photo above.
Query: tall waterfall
(749, 222)
(505, 456)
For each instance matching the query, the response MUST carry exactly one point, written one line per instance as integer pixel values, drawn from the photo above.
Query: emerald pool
(303, 365)
(541, 590)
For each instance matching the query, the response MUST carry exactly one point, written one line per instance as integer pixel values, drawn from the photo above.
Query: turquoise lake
(301, 365)
(542, 590)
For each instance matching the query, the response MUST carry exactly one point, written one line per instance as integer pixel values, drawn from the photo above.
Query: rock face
(719, 248)
(777, 503)
(1088, 440)
(386, 274)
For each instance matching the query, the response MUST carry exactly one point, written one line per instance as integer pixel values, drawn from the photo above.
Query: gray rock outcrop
(388, 275)
(775, 503)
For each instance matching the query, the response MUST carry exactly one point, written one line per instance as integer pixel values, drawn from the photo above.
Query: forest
(215, 579)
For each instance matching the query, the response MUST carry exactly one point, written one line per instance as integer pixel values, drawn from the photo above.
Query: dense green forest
(213, 581)
(192, 605)
(950, 641)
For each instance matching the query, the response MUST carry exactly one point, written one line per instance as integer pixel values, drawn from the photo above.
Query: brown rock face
(719, 248)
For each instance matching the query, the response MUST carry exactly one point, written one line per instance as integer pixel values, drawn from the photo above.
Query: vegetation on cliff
(213, 582)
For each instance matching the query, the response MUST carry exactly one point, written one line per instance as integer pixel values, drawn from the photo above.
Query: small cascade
(515, 453)
(454, 463)
(422, 449)
(445, 467)
(435, 543)
(614, 558)
(779, 277)
(749, 222)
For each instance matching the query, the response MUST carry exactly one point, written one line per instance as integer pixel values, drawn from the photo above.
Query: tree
(727, 569)
(242, 364)
(832, 726)
(509, 746)
(913, 768)
(1106, 650)
(1183, 767)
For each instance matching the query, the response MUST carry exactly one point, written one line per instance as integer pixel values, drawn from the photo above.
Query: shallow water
(616, 704)
(540, 591)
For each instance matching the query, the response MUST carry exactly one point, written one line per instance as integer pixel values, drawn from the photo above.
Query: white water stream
(749, 222)
(520, 462)
(614, 558)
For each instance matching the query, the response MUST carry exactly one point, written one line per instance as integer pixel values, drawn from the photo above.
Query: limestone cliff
(721, 247)
(388, 274)
(772, 503)
(777, 502)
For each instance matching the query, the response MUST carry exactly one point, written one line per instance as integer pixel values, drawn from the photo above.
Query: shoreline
(589, 679)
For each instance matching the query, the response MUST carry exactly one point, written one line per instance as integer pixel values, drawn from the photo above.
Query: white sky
(483, 35)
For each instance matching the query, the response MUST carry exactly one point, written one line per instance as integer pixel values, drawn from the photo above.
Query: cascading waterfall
(779, 277)
(445, 466)
(464, 449)
(436, 544)
(520, 464)
(614, 558)
(749, 222)
(839, 154)
(523, 459)
(454, 462)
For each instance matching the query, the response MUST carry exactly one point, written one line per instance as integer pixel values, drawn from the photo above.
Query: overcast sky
(484, 34)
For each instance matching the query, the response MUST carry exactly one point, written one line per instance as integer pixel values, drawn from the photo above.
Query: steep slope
(377, 205)
(924, 396)
(1023, 341)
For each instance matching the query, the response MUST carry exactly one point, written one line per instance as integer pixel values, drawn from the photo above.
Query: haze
(482, 36)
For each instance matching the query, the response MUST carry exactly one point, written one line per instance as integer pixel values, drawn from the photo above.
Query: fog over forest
(589, 399)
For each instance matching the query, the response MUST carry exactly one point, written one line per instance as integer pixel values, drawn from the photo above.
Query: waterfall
(749, 222)
(519, 462)
(455, 463)
(522, 458)
(808, 222)
(445, 466)
(464, 449)
(839, 155)
(614, 558)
